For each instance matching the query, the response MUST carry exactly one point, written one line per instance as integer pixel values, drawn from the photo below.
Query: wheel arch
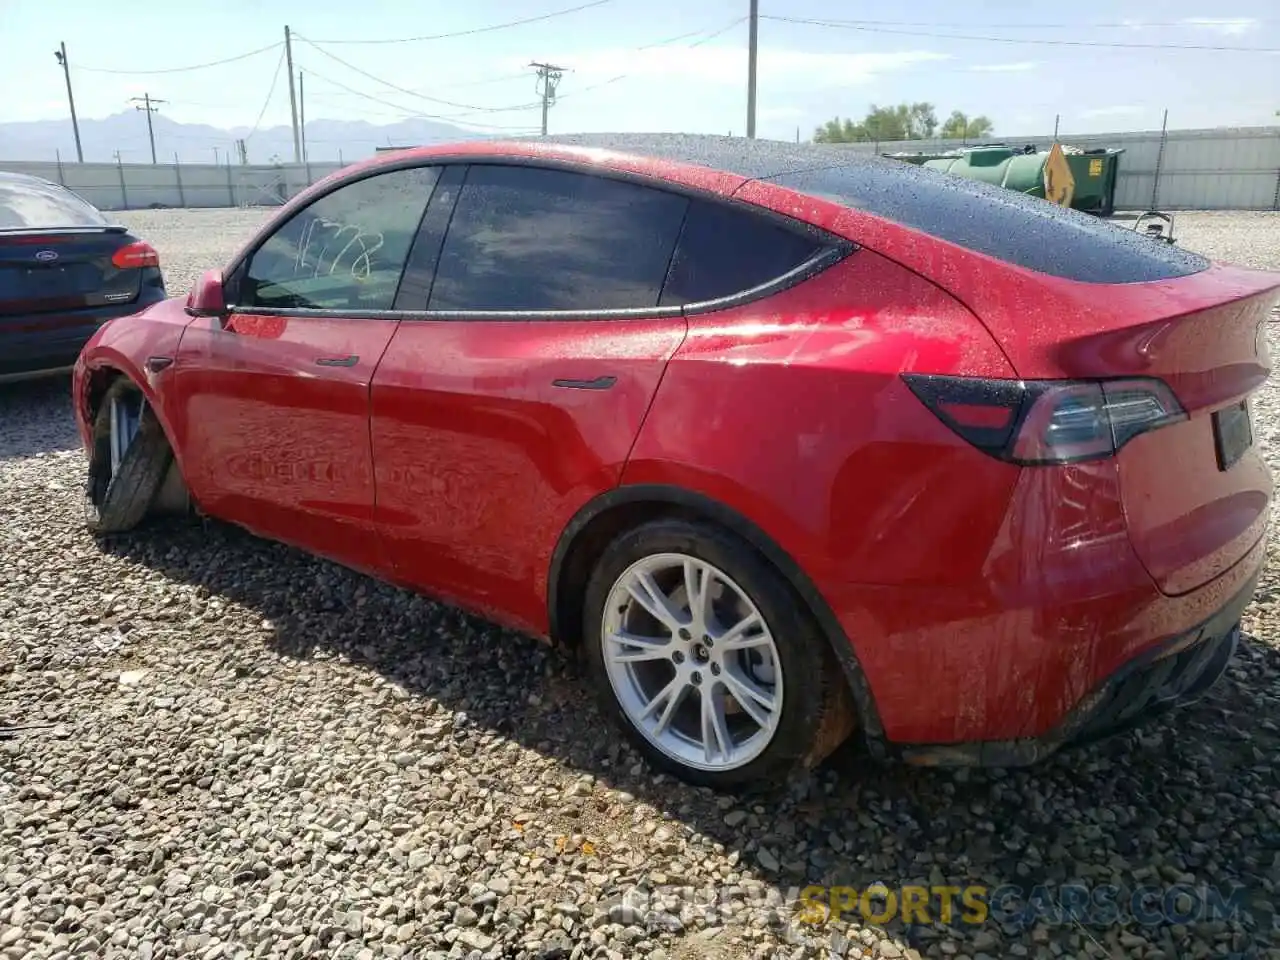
(174, 496)
(603, 518)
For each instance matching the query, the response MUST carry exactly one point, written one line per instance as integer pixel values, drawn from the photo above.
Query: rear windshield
(27, 203)
(1019, 229)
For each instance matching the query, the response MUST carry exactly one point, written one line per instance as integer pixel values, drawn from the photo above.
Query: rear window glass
(526, 238)
(724, 251)
(27, 203)
(1023, 230)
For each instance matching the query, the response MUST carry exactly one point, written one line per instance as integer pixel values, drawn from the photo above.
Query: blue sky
(808, 72)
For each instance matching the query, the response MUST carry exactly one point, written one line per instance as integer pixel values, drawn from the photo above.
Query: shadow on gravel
(1193, 799)
(35, 417)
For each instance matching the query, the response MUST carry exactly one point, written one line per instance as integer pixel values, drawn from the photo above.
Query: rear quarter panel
(791, 410)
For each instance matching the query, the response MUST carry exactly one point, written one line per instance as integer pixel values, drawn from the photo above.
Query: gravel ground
(252, 753)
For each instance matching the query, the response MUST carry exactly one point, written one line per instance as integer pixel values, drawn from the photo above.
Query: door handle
(599, 383)
(349, 361)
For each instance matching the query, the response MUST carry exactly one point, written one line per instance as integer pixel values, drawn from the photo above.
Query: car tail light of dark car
(135, 255)
(1048, 421)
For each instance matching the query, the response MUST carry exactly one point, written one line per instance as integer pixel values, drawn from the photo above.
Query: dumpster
(1023, 169)
(1095, 175)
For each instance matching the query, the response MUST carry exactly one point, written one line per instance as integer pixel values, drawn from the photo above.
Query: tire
(117, 499)
(815, 711)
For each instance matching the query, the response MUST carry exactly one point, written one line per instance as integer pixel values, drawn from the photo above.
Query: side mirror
(206, 298)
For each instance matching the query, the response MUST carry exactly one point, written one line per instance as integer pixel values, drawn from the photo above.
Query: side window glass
(346, 251)
(723, 251)
(524, 238)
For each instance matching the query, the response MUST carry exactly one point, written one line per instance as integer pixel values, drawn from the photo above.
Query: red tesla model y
(787, 441)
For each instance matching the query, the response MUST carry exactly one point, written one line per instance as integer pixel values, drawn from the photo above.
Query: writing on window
(346, 250)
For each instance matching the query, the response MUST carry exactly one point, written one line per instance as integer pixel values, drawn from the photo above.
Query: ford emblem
(47, 256)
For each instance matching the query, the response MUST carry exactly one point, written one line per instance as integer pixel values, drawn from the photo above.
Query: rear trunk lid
(1196, 493)
(50, 272)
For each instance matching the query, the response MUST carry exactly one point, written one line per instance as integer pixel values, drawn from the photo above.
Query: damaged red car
(788, 442)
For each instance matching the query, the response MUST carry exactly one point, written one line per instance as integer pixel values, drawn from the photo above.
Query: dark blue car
(65, 269)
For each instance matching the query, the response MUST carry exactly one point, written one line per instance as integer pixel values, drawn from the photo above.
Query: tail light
(1048, 421)
(135, 255)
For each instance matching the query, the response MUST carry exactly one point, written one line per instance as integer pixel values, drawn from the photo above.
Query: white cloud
(781, 113)
(1228, 26)
(728, 65)
(1019, 67)
(1114, 111)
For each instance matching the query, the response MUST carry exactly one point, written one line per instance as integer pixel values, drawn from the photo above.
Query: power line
(479, 83)
(202, 103)
(660, 43)
(1022, 40)
(405, 90)
(196, 66)
(489, 29)
(271, 90)
(501, 78)
(430, 116)
(448, 118)
(1193, 22)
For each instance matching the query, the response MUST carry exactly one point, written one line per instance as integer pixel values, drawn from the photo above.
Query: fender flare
(107, 359)
(736, 523)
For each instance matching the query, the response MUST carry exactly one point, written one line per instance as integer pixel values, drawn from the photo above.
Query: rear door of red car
(271, 402)
(516, 395)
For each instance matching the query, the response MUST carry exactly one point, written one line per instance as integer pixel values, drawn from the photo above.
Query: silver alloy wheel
(692, 662)
(126, 414)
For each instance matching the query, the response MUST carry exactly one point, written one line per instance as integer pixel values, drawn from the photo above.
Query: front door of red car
(516, 397)
(272, 399)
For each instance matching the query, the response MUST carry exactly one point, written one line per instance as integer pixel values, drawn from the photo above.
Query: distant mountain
(126, 132)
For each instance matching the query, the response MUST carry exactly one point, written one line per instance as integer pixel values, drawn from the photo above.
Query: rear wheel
(128, 462)
(705, 658)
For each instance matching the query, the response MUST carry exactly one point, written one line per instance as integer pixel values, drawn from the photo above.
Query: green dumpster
(1095, 175)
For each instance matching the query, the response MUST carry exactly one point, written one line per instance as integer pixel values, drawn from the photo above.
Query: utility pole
(242, 148)
(216, 161)
(752, 45)
(147, 102)
(302, 117)
(548, 79)
(293, 97)
(61, 54)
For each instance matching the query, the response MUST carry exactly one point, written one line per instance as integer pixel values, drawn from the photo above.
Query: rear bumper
(1175, 672)
(49, 344)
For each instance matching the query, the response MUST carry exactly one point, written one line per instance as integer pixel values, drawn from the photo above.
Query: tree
(839, 131)
(960, 126)
(906, 121)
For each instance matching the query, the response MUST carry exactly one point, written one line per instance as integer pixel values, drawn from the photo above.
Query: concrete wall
(133, 186)
(1223, 169)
